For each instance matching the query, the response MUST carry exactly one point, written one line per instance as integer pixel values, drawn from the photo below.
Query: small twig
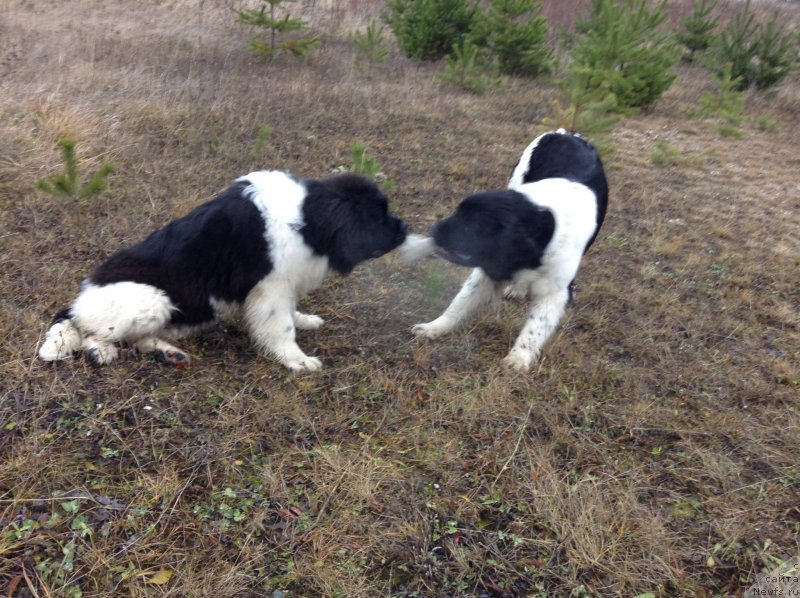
(516, 446)
(29, 583)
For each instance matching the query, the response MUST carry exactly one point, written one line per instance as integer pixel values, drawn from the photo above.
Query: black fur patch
(500, 232)
(347, 219)
(217, 250)
(64, 314)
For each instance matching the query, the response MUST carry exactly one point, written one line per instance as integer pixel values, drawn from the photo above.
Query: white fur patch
(269, 309)
(574, 207)
(415, 247)
(121, 311)
(279, 198)
(62, 340)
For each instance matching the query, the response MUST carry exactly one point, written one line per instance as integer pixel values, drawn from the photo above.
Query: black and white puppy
(258, 247)
(527, 240)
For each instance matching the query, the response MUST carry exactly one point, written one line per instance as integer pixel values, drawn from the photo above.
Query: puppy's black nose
(435, 228)
(403, 226)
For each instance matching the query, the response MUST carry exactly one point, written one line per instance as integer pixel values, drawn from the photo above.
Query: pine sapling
(368, 166)
(516, 33)
(587, 109)
(776, 54)
(622, 45)
(467, 67)
(698, 28)
(736, 47)
(266, 17)
(725, 106)
(369, 44)
(68, 183)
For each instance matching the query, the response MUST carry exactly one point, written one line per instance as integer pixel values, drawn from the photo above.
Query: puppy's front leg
(478, 290)
(269, 311)
(543, 319)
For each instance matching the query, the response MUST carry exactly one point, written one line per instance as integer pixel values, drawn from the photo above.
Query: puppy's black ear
(345, 251)
(535, 229)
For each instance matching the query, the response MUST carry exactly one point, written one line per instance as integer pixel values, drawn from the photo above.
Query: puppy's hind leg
(543, 319)
(118, 312)
(477, 291)
(269, 311)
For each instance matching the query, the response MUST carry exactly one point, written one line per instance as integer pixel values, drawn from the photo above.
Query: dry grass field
(653, 450)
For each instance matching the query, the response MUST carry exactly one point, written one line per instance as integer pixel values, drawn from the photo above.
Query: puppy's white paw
(518, 361)
(100, 353)
(62, 340)
(415, 247)
(429, 330)
(308, 321)
(174, 357)
(514, 293)
(303, 364)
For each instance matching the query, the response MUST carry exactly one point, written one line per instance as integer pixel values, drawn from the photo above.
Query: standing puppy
(260, 246)
(528, 239)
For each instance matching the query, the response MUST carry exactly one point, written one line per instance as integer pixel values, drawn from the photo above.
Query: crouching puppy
(527, 240)
(258, 247)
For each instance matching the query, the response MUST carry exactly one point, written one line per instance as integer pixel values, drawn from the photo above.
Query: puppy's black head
(347, 219)
(500, 232)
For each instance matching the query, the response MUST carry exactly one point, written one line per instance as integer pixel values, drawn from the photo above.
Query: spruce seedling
(698, 28)
(467, 68)
(369, 44)
(725, 105)
(368, 166)
(68, 183)
(266, 17)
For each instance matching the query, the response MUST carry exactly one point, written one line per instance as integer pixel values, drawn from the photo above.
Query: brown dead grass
(652, 449)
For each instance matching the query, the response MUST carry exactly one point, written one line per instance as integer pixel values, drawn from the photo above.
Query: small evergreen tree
(756, 54)
(735, 47)
(698, 28)
(468, 68)
(590, 110)
(264, 133)
(369, 44)
(368, 166)
(68, 184)
(428, 29)
(516, 33)
(266, 18)
(621, 48)
(724, 106)
(776, 54)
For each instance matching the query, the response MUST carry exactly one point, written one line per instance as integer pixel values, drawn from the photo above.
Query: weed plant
(368, 166)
